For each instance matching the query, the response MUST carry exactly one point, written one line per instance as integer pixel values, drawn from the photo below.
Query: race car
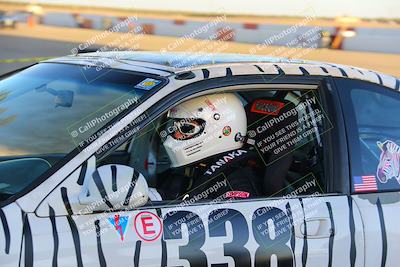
(175, 159)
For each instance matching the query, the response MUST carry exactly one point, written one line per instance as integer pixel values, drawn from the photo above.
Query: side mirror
(114, 187)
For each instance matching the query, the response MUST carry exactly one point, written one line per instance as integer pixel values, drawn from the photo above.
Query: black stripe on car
(102, 260)
(6, 231)
(163, 244)
(259, 68)
(136, 257)
(72, 225)
(379, 78)
(304, 71)
(228, 72)
(324, 69)
(65, 199)
(206, 73)
(55, 236)
(358, 70)
(102, 190)
(82, 174)
(28, 242)
(305, 245)
(114, 178)
(135, 176)
(383, 232)
(343, 72)
(353, 249)
(293, 236)
(279, 69)
(332, 235)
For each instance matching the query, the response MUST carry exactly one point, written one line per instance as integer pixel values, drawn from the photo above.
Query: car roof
(183, 60)
(172, 63)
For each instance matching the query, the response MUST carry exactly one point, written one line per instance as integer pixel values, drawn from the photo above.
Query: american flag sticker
(365, 184)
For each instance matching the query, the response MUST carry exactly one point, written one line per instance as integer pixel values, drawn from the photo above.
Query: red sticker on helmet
(267, 107)
(210, 104)
(226, 130)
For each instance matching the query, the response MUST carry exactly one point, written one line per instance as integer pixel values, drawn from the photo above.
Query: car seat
(259, 111)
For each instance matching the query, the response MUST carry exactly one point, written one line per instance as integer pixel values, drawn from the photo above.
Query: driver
(205, 141)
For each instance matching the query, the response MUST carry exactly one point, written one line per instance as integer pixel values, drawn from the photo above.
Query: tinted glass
(374, 135)
(49, 109)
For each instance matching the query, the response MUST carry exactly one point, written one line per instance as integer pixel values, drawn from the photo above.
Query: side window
(245, 144)
(287, 130)
(373, 126)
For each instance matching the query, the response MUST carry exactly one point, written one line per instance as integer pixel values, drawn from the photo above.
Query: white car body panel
(382, 245)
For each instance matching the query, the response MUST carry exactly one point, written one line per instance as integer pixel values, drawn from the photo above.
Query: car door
(373, 125)
(307, 231)
(308, 225)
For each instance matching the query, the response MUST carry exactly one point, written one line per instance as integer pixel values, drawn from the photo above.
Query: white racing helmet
(203, 127)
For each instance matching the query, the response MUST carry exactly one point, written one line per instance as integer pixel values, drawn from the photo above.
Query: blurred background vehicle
(7, 20)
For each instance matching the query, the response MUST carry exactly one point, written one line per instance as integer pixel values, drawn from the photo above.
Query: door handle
(316, 228)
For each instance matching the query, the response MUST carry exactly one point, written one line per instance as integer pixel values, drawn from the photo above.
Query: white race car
(117, 158)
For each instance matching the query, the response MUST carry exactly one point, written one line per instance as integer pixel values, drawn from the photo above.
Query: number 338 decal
(271, 227)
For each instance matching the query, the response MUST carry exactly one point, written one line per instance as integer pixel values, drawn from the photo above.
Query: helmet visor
(184, 129)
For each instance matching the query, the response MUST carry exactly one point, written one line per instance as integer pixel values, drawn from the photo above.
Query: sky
(321, 8)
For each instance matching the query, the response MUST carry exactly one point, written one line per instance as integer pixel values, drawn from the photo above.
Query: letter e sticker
(148, 226)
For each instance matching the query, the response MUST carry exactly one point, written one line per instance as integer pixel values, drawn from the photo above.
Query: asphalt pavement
(45, 41)
(25, 51)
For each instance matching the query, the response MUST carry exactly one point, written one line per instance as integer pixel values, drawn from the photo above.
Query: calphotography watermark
(118, 198)
(200, 44)
(293, 126)
(99, 119)
(104, 138)
(204, 29)
(101, 36)
(89, 129)
(304, 201)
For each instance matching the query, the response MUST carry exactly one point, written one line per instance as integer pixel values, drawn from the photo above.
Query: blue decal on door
(119, 223)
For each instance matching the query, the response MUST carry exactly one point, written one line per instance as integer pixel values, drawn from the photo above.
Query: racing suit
(224, 176)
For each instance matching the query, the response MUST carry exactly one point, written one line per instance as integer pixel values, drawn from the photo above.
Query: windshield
(49, 109)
